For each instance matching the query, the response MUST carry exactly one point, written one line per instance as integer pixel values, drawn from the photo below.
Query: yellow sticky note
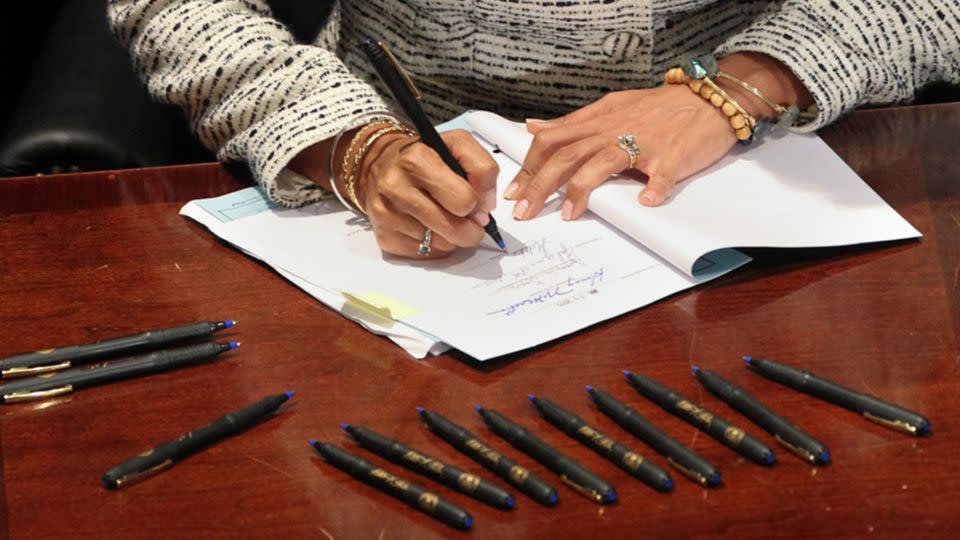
(380, 304)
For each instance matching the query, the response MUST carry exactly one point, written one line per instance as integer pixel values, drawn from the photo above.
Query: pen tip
(502, 244)
(747, 359)
(420, 409)
(234, 344)
(824, 457)
(531, 397)
(612, 496)
(714, 480)
(478, 408)
(695, 369)
(667, 484)
(468, 522)
(229, 323)
(553, 498)
(511, 501)
(289, 394)
(627, 373)
(771, 458)
(924, 428)
(589, 388)
(313, 442)
(344, 425)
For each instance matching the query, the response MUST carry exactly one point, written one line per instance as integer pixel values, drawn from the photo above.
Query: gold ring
(628, 142)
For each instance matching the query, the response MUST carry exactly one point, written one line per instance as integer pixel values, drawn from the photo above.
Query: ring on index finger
(628, 142)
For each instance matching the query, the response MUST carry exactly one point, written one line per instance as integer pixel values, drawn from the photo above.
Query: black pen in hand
(165, 455)
(575, 475)
(613, 450)
(786, 432)
(871, 407)
(416, 496)
(447, 474)
(720, 429)
(406, 94)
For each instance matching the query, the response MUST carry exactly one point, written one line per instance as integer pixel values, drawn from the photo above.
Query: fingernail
(511, 190)
(520, 209)
(537, 122)
(567, 211)
(481, 217)
(490, 200)
(648, 196)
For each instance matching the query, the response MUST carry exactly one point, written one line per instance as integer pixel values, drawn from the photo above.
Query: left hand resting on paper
(678, 133)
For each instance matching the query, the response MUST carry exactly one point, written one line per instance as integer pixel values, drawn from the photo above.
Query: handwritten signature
(571, 284)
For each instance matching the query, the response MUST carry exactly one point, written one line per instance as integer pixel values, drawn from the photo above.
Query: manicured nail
(567, 211)
(520, 209)
(511, 190)
(648, 196)
(490, 200)
(481, 217)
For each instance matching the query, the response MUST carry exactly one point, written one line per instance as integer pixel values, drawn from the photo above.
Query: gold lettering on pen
(390, 479)
(422, 460)
(733, 434)
(601, 440)
(694, 412)
(428, 501)
(632, 460)
(488, 453)
(518, 474)
(468, 481)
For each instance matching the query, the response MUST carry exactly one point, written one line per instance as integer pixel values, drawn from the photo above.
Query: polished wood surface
(92, 256)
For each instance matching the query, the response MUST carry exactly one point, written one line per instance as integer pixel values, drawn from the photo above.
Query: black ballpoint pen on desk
(508, 469)
(872, 407)
(786, 433)
(408, 492)
(715, 426)
(613, 450)
(393, 75)
(35, 363)
(575, 475)
(64, 382)
(444, 473)
(679, 456)
(165, 455)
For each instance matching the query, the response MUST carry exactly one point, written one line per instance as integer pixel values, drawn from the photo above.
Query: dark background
(71, 100)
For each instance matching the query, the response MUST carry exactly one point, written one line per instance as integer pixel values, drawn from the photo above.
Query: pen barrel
(516, 475)
(412, 494)
(624, 457)
(106, 372)
(720, 429)
(110, 347)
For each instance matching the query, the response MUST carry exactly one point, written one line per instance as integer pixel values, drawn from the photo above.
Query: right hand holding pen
(406, 188)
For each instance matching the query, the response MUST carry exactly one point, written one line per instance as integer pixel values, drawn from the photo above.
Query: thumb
(657, 190)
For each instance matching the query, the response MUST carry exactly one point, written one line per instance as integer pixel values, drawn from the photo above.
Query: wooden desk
(95, 255)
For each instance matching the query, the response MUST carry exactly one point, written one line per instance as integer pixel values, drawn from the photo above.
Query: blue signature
(564, 288)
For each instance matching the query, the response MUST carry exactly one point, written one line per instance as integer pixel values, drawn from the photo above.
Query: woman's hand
(678, 134)
(406, 188)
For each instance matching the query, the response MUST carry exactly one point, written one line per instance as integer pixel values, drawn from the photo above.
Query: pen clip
(805, 454)
(403, 72)
(583, 490)
(137, 476)
(35, 370)
(695, 476)
(17, 397)
(899, 425)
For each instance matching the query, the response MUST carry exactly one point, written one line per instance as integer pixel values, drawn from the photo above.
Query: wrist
(777, 82)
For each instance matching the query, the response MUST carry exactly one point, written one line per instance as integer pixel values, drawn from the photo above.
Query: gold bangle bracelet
(349, 179)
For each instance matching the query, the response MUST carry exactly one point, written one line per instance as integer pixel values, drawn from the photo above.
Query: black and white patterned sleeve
(250, 91)
(855, 52)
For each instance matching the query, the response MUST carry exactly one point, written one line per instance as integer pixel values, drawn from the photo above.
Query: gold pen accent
(695, 476)
(37, 370)
(805, 454)
(17, 397)
(137, 476)
(585, 491)
(899, 425)
(403, 72)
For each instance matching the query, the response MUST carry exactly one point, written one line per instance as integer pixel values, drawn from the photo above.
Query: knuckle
(489, 168)
(377, 209)
(567, 154)
(390, 185)
(611, 155)
(462, 204)
(545, 139)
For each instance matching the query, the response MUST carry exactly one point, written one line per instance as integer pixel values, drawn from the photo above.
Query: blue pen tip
(825, 457)
(289, 394)
(612, 496)
(695, 369)
(771, 458)
(668, 485)
(627, 373)
(478, 407)
(344, 425)
(502, 244)
(553, 498)
(531, 397)
(229, 323)
(714, 480)
(589, 388)
(747, 359)
(420, 410)
(511, 501)
(312, 442)
(468, 523)
(924, 428)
